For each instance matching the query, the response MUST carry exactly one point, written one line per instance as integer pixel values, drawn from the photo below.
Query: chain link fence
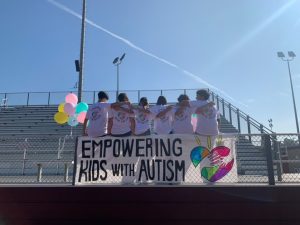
(260, 158)
(42, 159)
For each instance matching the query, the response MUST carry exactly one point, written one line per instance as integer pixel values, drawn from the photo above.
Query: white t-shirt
(121, 121)
(98, 117)
(162, 125)
(207, 123)
(182, 122)
(142, 121)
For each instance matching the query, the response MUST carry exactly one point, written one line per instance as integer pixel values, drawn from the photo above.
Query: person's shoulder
(102, 104)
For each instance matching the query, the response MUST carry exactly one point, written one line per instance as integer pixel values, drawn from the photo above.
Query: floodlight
(280, 54)
(116, 60)
(291, 54)
(122, 57)
(77, 65)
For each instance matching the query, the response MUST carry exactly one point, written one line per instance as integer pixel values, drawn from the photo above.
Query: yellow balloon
(61, 117)
(61, 107)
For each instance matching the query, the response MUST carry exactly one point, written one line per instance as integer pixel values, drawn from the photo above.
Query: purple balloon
(69, 108)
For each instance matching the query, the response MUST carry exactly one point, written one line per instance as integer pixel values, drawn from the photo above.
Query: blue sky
(230, 45)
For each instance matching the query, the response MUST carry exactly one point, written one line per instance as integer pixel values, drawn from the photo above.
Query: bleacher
(29, 136)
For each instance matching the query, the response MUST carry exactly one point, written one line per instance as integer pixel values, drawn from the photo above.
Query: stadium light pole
(291, 56)
(81, 60)
(117, 61)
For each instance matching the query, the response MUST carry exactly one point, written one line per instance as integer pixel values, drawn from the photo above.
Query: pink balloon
(69, 108)
(81, 116)
(71, 98)
(194, 123)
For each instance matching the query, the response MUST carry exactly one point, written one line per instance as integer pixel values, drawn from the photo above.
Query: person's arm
(147, 111)
(164, 112)
(118, 107)
(184, 103)
(132, 125)
(109, 125)
(201, 108)
(84, 127)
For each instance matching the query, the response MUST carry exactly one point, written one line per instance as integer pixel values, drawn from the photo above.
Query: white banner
(163, 159)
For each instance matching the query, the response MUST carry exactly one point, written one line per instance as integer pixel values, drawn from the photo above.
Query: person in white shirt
(142, 118)
(182, 117)
(162, 116)
(121, 117)
(208, 117)
(97, 116)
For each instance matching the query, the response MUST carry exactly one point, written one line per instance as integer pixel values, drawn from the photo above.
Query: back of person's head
(122, 97)
(102, 95)
(203, 93)
(143, 101)
(182, 98)
(161, 100)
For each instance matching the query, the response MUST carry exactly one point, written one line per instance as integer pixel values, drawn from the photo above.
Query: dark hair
(143, 101)
(203, 93)
(183, 97)
(122, 97)
(161, 100)
(102, 95)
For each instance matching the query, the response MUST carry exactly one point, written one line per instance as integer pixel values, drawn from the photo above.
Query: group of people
(123, 119)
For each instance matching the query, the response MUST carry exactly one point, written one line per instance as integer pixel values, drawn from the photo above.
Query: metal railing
(267, 159)
(240, 120)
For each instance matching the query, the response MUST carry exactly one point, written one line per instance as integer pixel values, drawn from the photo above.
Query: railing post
(139, 95)
(230, 115)
(218, 104)
(27, 98)
(268, 149)
(24, 159)
(40, 171)
(277, 150)
(49, 98)
(213, 97)
(66, 173)
(238, 120)
(184, 91)
(261, 127)
(249, 128)
(223, 107)
(161, 92)
(94, 97)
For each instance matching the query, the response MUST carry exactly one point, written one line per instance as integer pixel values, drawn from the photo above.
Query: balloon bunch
(70, 112)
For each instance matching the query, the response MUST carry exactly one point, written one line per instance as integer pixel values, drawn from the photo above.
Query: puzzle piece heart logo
(218, 166)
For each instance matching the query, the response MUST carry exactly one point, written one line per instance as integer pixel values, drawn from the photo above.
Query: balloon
(69, 108)
(61, 117)
(72, 121)
(71, 98)
(61, 107)
(81, 107)
(81, 117)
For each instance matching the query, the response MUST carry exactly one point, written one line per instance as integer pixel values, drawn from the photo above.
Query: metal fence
(260, 158)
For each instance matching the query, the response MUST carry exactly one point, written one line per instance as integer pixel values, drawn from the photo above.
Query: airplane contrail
(129, 43)
(252, 34)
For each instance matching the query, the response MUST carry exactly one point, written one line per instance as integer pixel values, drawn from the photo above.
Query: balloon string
(197, 139)
(209, 142)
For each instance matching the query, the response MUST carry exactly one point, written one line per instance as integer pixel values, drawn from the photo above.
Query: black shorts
(122, 135)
